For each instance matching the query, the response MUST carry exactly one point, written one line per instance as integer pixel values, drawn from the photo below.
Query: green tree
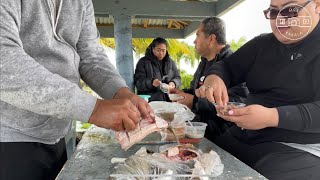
(185, 79)
(177, 50)
(234, 46)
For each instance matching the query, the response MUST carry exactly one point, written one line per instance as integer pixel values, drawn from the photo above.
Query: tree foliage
(235, 45)
(177, 50)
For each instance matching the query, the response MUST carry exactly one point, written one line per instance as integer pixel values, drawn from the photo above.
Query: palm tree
(177, 50)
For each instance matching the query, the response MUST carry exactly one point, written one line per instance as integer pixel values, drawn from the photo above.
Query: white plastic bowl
(175, 97)
(196, 131)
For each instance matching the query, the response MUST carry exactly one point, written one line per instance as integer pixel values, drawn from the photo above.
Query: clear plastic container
(223, 110)
(179, 131)
(175, 97)
(196, 131)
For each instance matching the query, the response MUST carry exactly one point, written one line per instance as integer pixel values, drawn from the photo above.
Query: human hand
(187, 98)
(172, 85)
(156, 82)
(115, 114)
(253, 117)
(142, 105)
(214, 90)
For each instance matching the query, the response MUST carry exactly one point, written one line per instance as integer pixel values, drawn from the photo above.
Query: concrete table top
(92, 158)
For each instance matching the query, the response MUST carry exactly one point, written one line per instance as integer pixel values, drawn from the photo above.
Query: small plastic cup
(196, 130)
(223, 110)
(175, 97)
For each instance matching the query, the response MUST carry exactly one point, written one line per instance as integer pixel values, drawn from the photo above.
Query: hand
(142, 105)
(187, 98)
(156, 82)
(253, 117)
(214, 90)
(116, 114)
(172, 85)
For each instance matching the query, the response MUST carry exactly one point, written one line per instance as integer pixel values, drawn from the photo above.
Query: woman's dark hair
(158, 41)
(216, 26)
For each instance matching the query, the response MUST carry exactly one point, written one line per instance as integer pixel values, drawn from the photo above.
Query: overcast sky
(245, 20)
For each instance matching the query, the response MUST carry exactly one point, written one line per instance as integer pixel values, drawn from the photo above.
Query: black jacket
(205, 110)
(237, 93)
(149, 68)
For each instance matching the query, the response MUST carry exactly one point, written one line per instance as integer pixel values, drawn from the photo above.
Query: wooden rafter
(145, 23)
(169, 24)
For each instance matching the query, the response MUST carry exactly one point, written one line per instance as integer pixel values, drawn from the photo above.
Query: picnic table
(92, 158)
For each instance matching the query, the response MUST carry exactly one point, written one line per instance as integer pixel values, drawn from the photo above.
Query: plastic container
(175, 97)
(179, 131)
(145, 97)
(196, 131)
(166, 115)
(223, 110)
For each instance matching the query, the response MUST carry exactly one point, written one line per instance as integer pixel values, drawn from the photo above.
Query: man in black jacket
(154, 68)
(210, 43)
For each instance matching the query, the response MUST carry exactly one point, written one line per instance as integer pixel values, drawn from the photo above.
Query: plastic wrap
(157, 166)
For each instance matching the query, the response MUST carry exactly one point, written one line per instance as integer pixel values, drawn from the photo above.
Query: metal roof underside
(153, 18)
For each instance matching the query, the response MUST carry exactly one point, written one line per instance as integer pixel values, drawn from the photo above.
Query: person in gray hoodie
(46, 48)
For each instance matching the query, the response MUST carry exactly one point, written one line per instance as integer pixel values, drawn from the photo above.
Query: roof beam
(185, 18)
(145, 23)
(225, 6)
(151, 7)
(145, 33)
(191, 28)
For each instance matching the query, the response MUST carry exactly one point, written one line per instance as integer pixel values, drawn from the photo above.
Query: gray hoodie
(45, 49)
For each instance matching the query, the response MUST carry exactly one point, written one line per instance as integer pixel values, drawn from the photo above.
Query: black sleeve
(233, 70)
(176, 78)
(302, 117)
(238, 93)
(141, 81)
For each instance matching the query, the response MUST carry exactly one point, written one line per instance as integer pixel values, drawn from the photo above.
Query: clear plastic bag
(157, 166)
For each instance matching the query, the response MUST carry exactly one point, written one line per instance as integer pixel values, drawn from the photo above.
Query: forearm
(302, 117)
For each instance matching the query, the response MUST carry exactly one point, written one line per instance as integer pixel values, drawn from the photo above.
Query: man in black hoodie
(210, 43)
(154, 68)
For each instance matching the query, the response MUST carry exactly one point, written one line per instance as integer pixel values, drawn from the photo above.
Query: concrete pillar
(123, 46)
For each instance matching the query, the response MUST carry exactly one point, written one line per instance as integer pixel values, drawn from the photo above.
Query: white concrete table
(92, 158)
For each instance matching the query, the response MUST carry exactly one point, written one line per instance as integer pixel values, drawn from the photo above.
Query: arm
(28, 85)
(302, 117)
(142, 82)
(95, 67)
(238, 93)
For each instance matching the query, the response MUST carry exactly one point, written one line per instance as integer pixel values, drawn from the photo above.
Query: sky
(245, 20)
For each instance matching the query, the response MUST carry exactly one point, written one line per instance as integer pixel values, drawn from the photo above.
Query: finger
(128, 124)
(143, 109)
(210, 94)
(225, 97)
(235, 119)
(217, 94)
(239, 111)
(119, 127)
(134, 115)
(197, 92)
(202, 92)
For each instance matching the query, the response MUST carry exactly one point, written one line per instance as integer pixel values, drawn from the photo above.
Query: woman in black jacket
(154, 68)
